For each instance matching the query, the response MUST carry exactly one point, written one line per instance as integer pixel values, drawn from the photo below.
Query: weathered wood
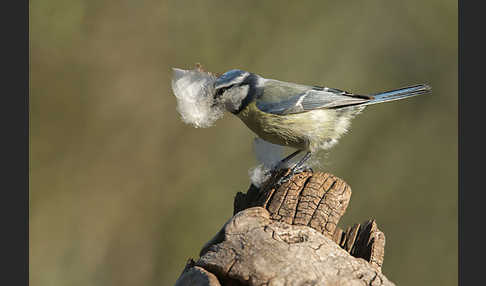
(197, 276)
(314, 199)
(288, 235)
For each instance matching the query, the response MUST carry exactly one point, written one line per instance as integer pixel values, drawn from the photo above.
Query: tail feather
(397, 94)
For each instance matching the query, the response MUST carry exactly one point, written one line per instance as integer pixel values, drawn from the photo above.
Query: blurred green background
(123, 193)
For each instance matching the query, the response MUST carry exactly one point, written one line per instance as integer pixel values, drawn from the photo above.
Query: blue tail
(398, 94)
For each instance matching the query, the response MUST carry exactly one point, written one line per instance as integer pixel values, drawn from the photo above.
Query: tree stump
(288, 235)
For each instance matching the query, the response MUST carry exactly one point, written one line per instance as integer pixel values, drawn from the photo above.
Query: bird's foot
(293, 172)
(303, 169)
(283, 180)
(299, 167)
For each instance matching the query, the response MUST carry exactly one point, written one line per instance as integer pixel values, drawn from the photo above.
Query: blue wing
(286, 98)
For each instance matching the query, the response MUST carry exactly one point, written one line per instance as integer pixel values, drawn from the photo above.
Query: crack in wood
(303, 214)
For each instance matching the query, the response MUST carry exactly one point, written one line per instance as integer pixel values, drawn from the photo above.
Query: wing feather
(287, 98)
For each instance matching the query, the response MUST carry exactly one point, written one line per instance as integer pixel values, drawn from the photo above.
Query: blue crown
(230, 78)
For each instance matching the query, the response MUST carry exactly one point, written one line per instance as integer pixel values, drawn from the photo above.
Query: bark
(288, 235)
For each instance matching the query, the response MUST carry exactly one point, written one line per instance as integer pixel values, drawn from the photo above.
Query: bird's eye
(219, 92)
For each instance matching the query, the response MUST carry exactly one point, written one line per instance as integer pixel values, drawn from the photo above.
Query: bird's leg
(297, 168)
(286, 159)
(300, 167)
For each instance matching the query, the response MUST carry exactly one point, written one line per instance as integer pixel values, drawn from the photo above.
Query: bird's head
(231, 88)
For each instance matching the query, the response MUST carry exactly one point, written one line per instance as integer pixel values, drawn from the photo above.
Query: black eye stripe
(221, 90)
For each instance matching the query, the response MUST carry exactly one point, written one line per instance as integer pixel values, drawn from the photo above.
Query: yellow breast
(304, 131)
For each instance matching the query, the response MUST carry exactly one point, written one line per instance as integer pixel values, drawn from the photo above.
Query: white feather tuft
(195, 102)
(258, 175)
(268, 155)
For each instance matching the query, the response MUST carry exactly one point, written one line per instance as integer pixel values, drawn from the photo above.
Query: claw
(303, 169)
(299, 167)
(282, 180)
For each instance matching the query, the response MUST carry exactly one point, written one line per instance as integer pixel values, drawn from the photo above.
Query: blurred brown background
(123, 193)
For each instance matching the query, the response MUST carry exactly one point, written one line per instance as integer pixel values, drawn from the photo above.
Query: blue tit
(308, 118)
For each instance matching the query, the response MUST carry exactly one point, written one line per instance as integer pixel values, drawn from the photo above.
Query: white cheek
(233, 97)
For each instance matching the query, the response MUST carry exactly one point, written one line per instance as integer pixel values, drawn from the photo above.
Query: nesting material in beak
(194, 90)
